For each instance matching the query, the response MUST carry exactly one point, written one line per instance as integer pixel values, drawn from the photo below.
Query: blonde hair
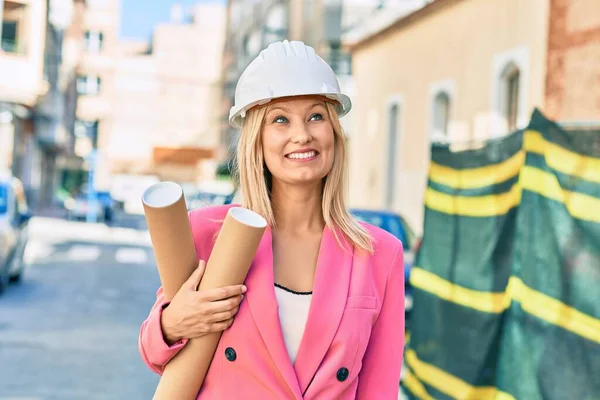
(254, 179)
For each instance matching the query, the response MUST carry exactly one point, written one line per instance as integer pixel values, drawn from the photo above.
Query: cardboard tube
(171, 236)
(228, 264)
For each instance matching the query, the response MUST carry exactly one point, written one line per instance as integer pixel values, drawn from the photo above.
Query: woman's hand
(194, 313)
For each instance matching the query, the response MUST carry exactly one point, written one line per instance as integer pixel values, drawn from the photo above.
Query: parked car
(14, 217)
(397, 226)
(210, 193)
(79, 206)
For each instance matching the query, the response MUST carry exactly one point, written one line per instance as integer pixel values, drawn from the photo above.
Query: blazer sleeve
(155, 352)
(379, 378)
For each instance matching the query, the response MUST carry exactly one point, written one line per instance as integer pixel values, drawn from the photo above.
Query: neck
(298, 209)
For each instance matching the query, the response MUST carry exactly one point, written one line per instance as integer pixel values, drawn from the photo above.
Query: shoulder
(383, 241)
(388, 251)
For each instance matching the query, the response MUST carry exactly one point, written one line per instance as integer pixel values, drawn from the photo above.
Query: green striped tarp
(507, 282)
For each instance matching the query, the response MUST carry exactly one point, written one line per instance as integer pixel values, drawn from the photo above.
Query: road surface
(69, 330)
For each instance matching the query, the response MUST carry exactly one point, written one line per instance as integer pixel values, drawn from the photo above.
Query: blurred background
(99, 99)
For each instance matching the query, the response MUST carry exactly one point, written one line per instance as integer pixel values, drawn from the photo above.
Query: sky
(138, 17)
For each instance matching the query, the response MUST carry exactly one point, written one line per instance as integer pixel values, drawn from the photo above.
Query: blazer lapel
(265, 311)
(330, 291)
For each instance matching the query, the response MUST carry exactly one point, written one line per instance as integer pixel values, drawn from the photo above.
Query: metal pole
(91, 193)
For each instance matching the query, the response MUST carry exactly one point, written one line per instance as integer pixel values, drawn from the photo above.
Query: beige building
(22, 42)
(462, 71)
(96, 85)
(165, 111)
(38, 62)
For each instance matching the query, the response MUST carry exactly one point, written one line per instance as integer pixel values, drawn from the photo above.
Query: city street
(69, 329)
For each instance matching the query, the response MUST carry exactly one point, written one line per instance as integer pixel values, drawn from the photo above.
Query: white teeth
(300, 156)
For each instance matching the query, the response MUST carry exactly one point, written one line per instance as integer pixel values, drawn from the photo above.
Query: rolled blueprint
(228, 264)
(169, 227)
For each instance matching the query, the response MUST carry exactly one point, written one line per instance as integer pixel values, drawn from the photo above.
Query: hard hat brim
(343, 106)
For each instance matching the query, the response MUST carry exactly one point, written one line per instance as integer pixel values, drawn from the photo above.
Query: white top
(293, 314)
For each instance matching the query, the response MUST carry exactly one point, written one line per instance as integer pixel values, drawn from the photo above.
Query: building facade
(461, 72)
(55, 111)
(37, 97)
(95, 88)
(22, 43)
(167, 93)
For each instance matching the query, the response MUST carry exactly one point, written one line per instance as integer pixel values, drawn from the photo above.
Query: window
(511, 80)
(87, 130)
(441, 116)
(94, 41)
(394, 118)
(340, 61)
(9, 36)
(509, 100)
(88, 85)
(275, 27)
(13, 36)
(251, 45)
(442, 95)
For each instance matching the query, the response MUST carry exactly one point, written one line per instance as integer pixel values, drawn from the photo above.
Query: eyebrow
(284, 108)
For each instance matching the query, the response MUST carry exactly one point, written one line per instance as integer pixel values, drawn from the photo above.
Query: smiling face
(298, 140)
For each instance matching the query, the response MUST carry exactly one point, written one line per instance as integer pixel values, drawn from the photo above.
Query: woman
(323, 315)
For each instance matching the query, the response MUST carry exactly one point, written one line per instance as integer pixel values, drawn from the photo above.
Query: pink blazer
(354, 337)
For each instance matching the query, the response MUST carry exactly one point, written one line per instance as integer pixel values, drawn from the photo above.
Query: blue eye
(280, 120)
(316, 117)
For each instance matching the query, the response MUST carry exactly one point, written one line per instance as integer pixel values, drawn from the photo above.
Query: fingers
(224, 315)
(194, 279)
(222, 293)
(220, 306)
(221, 326)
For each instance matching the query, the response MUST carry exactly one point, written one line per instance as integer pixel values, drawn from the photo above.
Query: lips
(302, 154)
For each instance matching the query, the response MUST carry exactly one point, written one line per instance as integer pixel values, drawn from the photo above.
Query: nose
(300, 134)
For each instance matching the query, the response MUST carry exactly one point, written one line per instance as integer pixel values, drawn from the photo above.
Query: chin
(301, 180)
(308, 180)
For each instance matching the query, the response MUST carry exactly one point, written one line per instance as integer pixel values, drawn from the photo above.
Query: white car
(14, 216)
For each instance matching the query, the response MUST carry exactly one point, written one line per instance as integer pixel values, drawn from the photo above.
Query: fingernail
(244, 288)
(242, 297)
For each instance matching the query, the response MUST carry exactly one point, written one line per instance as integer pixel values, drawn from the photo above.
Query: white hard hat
(285, 69)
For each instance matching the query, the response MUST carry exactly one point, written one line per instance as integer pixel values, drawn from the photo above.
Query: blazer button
(230, 354)
(342, 374)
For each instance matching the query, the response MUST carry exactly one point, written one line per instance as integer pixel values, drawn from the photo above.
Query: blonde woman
(321, 314)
